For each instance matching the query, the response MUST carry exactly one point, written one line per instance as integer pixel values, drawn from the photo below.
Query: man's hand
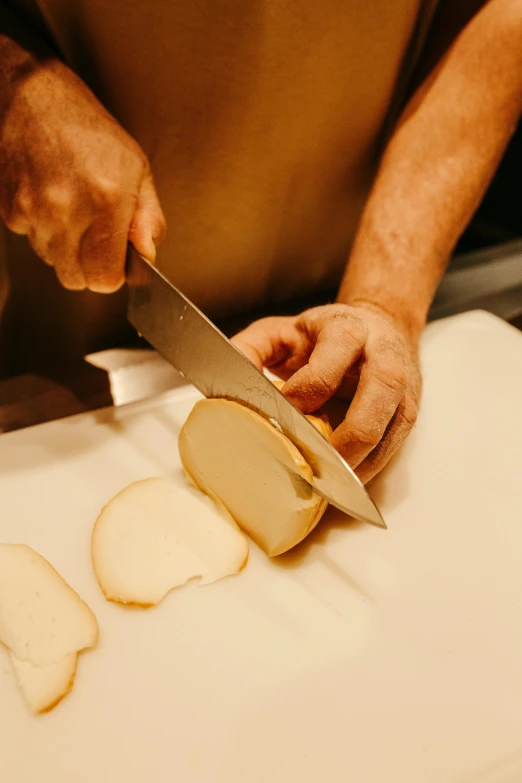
(357, 352)
(436, 167)
(74, 181)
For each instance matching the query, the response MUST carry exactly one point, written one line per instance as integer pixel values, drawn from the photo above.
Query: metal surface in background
(489, 279)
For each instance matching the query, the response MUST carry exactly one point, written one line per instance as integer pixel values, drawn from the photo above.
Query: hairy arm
(437, 167)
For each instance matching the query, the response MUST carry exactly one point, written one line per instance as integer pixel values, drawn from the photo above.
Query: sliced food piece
(154, 536)
(42, 619)
(45, 686)
(234, 454)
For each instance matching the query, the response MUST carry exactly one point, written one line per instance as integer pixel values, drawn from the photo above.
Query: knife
(202, 354)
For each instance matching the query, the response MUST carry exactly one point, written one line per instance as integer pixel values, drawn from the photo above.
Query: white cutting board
(364, 656)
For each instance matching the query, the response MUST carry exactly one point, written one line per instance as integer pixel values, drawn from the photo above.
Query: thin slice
(155, 536)
(42, 619)
(235, 455)
(45, 686)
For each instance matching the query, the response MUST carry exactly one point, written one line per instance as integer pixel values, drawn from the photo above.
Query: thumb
(241, 342)
(148, 225)
(268, 341)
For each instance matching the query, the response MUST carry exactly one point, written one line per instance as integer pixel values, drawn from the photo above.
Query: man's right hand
(74, 181)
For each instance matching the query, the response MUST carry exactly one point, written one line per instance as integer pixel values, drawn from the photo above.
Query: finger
(60, 251)
(402, 422)
(272, 343)
(381, 387)
(148, 224)
(103, 249)
(338, 343)
(16, 207)
(17, 223)
(70, 274)
(252, 352)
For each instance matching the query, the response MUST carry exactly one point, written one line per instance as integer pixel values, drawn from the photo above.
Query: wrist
(16, 64)
(22, 52)
(410, 318)
(388, 275)
(21, 70)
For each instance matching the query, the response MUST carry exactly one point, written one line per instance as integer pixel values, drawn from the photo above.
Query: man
(255, 127)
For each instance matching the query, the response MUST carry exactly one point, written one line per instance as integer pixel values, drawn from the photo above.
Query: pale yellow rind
(45, 686)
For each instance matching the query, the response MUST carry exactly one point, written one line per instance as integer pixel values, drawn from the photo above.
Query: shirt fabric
(263, 123)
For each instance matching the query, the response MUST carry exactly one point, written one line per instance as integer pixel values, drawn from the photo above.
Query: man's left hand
(357, 352)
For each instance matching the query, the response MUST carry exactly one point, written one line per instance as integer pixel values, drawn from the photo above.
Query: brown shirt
(262, 120)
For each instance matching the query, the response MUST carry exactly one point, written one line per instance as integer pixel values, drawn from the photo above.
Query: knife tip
(376, 518)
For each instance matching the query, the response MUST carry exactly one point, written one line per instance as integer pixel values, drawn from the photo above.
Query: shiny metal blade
(201, 353)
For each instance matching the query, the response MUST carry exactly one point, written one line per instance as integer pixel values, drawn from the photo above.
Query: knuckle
(321, 385)
(46, 245)
(269, 324)
(391, 375)
(339, 321)
(17, 215)
(108, 191)
(15, 222)
(320, 314)
(312, 312)
(23, 203)
(390, 346)
(58, 199)
(408, 413)
(330, 311)
(351, 331)
(365, 434)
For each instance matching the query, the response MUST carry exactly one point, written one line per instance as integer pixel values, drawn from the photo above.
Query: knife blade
(189, 341)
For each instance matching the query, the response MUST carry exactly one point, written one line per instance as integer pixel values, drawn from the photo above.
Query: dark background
(499, 218)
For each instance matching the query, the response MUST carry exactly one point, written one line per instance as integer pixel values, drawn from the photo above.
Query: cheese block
(234, 454)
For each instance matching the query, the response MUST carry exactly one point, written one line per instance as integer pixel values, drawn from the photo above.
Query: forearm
(437, 166)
